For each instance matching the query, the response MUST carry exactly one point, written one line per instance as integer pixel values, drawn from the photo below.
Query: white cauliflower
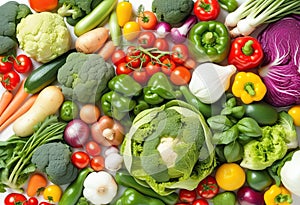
(43, 36)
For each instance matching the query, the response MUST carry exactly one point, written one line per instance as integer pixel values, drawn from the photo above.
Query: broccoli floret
(74, 8)
(83, 201)
(69, 10)
(11, 14)
(172, 12)
(54, 160)
(84, 77)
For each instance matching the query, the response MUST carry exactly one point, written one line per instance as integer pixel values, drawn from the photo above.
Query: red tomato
(45, 203)
(208, 187)
(6, 64)
(168, 66)
(140, 76)
(14, 198)
(93, 148)
(162, 44)
(146, 39)
(180, 53)
(133, 57)
(152, 68)
(43, 5)
(118, 57)
(10, 80)
(122, 68)
(187, 195)
(145, 59)
(147, 20)
(133, 51)
(31, 201)
(97, 163)
(180, 76)
(22, 63)
(200, 202)
(80, 159)
(190, 63)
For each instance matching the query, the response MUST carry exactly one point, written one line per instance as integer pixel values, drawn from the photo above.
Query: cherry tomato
(6, 64)
(162, 44)
(187, 195)
(122, 68)
(10, 80)
(133, 51)
(180, 53)
(190, 63)
(152, 68)
(45, 203)
(200, 202)
(208, 187)
(146, 39)
(131, 30)
(180, 76)
(294, 112)
(145, 59)
(133, 61)
(140, 76)
(97, 163)
(118, 57)
(14, 198)
(80, 159)
(168, 66)
(43, 5)
(147, 20)
(31, 201)
(22, 63)
(52, 193)
(92, 148)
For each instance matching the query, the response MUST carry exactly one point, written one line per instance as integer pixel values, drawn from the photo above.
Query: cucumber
(44, 75)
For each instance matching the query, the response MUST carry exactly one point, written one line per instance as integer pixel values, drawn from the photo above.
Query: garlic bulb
(209, 81)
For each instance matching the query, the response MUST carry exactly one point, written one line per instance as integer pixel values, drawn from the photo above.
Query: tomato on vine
(122, 68)
(140, 76)
(146, 19)
(168, 66)
(152, 68)
(208, 187)
(180, 53)
(180, 76)
(118, 57)
(161, 44)
(146, 39)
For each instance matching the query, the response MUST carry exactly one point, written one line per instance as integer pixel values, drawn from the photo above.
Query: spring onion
(253, 13)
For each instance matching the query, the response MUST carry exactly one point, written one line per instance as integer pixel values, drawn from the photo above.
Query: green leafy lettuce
(169, 147)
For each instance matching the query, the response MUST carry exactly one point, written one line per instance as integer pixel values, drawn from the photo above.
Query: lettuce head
(169, 147)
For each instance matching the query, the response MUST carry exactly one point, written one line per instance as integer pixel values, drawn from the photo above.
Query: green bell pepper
(133, 197)
(258, 179)
(68, 111)
(209, 41)
(125, 85)
(159, 88)
(228, 5)
(115, 105)
(141, 105)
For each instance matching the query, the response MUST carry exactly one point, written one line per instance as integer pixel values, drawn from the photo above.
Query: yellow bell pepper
(249, 87)
(124, 12)
(277, 195)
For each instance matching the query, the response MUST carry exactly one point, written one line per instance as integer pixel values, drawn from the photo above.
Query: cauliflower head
(43, 36)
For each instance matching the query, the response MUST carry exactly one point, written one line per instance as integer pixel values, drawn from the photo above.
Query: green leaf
(227, 136)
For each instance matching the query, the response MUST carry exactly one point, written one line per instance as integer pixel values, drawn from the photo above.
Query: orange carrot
(6, 97)
(24, 108)
(36, 183)
(16, 102)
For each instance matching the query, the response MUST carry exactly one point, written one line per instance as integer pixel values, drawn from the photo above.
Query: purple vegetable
(248, 196)
(76, 133)
(280, 70)
(163, 29)
(179, 34)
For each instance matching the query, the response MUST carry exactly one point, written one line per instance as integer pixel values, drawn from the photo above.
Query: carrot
(16, 102)
(24, 108)
(6, 97)
(107, 50)
(36, 183)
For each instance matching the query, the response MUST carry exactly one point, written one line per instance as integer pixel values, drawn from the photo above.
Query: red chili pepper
(245, 53)
(207, 10)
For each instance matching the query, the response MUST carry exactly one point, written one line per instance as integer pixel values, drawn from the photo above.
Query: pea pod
(74, 191)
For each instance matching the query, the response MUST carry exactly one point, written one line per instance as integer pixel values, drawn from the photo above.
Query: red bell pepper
(207, 10)
(245, 53)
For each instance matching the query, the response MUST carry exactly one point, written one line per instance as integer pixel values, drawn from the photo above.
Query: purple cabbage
(280, 70)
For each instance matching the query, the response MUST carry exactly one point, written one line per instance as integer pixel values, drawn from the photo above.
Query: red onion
(76, 133)
(179, 34)
(163, 29)
(248, 196)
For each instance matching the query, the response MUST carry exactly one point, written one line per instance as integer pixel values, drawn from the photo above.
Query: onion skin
(248, 196)
(162, 29)
(76, 133)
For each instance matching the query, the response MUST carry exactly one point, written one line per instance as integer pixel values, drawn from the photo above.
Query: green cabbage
(169, 147)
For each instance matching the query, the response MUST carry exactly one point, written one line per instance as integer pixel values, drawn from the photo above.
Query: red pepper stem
(247, 49)
(249, 87)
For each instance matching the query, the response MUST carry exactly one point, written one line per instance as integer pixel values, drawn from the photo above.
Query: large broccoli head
(84, 77)
(54, 160)
(43, 36)
(172, 12)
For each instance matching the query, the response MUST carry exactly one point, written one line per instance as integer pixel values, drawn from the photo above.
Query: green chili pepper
(133, 197)
(249, 127)
(74, 191)
(226, 197)
(68, 111)
(125, 85)
(209, 41)
(228, 5)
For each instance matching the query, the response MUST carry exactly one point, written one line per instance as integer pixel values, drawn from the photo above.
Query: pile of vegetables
(114, 102)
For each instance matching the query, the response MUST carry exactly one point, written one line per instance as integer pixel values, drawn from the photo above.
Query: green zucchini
(45, 74)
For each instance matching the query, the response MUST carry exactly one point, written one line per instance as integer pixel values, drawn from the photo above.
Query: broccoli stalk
(70, 10)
